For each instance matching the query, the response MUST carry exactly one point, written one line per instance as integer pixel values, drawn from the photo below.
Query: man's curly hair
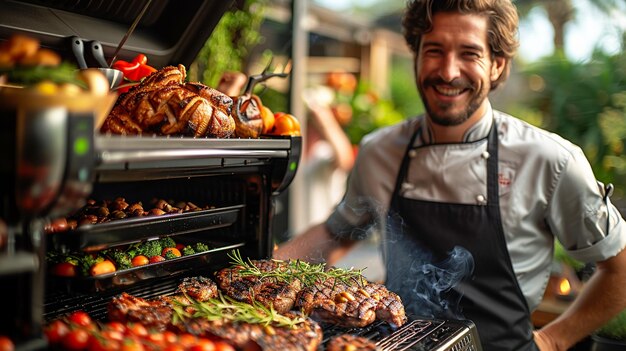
(502, 24)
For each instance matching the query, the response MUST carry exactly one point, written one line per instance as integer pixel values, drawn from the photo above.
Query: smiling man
(470, 199)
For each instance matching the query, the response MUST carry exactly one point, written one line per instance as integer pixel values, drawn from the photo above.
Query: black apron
(451, 261)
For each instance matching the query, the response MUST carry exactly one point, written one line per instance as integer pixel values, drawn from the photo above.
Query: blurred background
(569, 76)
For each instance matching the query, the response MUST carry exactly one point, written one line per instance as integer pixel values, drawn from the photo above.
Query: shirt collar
(478, 131)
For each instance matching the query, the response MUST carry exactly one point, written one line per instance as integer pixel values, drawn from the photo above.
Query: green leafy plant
(615, 328)
(230, 44)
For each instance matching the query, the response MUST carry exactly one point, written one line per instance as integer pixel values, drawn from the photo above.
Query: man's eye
(470, 54)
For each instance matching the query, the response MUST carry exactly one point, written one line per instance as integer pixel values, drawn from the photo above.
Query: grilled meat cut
(157, 313)
(198, 288)
(306, 336)
(352, 302)
(348, 342)
(336, 302)
(164, 104)
(355, 303)
(267, 291)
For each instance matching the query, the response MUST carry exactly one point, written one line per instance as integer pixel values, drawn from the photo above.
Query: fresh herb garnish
(226, 308)
(308, 274)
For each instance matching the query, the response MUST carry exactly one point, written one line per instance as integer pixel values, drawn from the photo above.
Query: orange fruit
(268, 119)
(285, 124)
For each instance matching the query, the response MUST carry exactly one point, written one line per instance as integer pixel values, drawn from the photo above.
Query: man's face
(454, 68)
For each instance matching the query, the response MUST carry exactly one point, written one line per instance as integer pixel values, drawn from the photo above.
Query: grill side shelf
(125, 231)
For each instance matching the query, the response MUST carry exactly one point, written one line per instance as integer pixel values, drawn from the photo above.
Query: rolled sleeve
(588, 225)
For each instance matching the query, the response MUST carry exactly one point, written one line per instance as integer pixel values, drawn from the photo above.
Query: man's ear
(497, 67)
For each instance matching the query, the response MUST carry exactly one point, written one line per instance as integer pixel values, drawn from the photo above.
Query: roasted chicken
(164, 104)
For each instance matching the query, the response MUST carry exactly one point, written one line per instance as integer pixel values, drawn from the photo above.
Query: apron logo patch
(504, 180)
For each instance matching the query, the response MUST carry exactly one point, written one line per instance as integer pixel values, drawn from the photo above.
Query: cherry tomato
(6, 344)
(170, 337)
(223, 346)
(187, 340)
(203, 345)
(80, 318)
(136, 329)
(64, 269)
(103, 343)
(173, 347)
(76, 339)
(56, 331)
(131, 344)
(103, 267)
(140, 260)
(111, 334)
(157, 258)
(115, 326)
(285, 124)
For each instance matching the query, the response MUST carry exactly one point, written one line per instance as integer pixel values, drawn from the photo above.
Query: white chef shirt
(546, 185)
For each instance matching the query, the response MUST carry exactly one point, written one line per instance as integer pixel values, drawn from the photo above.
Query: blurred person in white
(470, 200)
(329, 156)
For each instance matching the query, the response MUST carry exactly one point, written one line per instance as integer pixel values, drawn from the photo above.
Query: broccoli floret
(188, 250)
(170, 255)
(201, 247)
(167, 242)
(122, 259)
(150, 248)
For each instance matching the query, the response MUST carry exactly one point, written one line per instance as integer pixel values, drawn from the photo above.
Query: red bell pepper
(135, 70)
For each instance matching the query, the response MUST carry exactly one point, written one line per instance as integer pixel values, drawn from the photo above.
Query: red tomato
(115, 326)
(155, 340)
(203, 345)
(173, 347)
(223, 346)
(80, 318)
(157, 258)
(76, 339)
(180, 246)
(140, 260)
(136, 329)
(170, 337)
(111, 334)
(131, 344)
(187, 340)
(56, 331)
(64, 269)
(102, 343)
(6, 344)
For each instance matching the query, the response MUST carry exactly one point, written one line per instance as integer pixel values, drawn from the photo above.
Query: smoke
(425, 282)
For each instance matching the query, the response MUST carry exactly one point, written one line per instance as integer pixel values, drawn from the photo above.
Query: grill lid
(170, 32)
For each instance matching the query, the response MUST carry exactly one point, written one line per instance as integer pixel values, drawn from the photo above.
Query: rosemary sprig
(309, 274)
(226, 308)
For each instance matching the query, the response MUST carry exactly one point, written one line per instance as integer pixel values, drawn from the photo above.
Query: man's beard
(445, 118)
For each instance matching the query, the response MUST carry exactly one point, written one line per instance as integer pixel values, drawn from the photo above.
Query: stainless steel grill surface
(419, 334)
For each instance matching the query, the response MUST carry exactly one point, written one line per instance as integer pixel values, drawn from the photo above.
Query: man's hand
(544, 342)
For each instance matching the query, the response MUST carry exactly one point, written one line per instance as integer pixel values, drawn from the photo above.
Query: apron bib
(451, 261)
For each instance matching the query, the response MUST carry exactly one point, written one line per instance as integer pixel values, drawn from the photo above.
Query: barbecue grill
(236, 178)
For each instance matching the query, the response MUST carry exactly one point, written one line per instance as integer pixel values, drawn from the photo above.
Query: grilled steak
(347, 342)
(336, 302)
(305, 337)
(356, 303)
(267, 291)
(198, 288)
(157, 313)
